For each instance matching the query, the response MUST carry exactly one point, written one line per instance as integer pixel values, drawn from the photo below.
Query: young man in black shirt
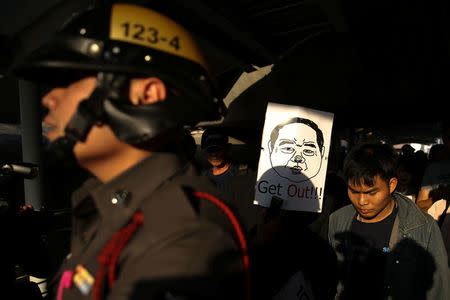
(386, 247)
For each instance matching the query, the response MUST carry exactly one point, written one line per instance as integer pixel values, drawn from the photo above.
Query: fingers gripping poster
(294, 156)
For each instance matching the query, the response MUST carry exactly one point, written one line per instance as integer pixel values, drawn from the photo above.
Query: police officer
(127, 79)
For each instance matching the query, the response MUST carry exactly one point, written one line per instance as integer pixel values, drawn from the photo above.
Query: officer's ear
(147, 90)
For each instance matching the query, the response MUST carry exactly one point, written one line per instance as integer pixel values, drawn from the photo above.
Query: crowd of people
(147, 224)
(371, 234)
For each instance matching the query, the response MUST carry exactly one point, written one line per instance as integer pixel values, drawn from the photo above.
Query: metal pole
(31, 138)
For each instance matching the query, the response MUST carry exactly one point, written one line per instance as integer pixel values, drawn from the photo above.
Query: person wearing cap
(146, 225)
(218, 153)
(236, 181)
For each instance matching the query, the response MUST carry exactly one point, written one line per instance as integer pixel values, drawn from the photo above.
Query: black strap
(91, 110)
(85, 117)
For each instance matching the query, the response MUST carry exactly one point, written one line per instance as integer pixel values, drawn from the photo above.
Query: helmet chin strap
(89, 111)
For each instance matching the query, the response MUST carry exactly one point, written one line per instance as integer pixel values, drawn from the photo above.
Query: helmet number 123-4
(151, 35)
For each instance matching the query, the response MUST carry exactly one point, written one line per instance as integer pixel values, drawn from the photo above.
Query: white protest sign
(294, 156)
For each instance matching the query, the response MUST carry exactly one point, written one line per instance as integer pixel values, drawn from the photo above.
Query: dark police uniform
(148, 233)
(186, 244)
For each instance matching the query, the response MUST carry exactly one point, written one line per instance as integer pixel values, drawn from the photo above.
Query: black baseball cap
(214, 138)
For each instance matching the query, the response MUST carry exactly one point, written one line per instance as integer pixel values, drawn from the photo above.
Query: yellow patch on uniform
(83, 280)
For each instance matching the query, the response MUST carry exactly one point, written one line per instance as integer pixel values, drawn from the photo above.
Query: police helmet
(116, 43)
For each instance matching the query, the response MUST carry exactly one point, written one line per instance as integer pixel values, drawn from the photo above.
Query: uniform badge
(83, 280)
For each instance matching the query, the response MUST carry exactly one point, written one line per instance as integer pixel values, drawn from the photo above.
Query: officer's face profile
(62, 103)
(296, 155)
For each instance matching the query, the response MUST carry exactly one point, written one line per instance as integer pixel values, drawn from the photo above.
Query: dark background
(376, 64)
(382, 67)
(379, 66)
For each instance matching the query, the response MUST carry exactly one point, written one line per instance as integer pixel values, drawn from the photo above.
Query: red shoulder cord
(111, 252)
(239, 233)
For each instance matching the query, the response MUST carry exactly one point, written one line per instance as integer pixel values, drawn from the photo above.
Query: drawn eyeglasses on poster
(296, 149)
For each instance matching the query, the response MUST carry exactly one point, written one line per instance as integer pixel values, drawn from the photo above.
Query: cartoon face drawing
(296, 149)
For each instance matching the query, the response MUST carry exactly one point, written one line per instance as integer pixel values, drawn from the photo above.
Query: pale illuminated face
(296, 155)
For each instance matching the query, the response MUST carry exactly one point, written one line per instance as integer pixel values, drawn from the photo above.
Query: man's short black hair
(275, 132)
(366, 161)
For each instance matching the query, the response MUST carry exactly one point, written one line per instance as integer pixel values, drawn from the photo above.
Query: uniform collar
(117, 200)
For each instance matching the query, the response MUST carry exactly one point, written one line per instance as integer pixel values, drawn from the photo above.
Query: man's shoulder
(341, 219)
(192, 180)
(344, 212)
(200, 195)
(410, 215)
(406, 204)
